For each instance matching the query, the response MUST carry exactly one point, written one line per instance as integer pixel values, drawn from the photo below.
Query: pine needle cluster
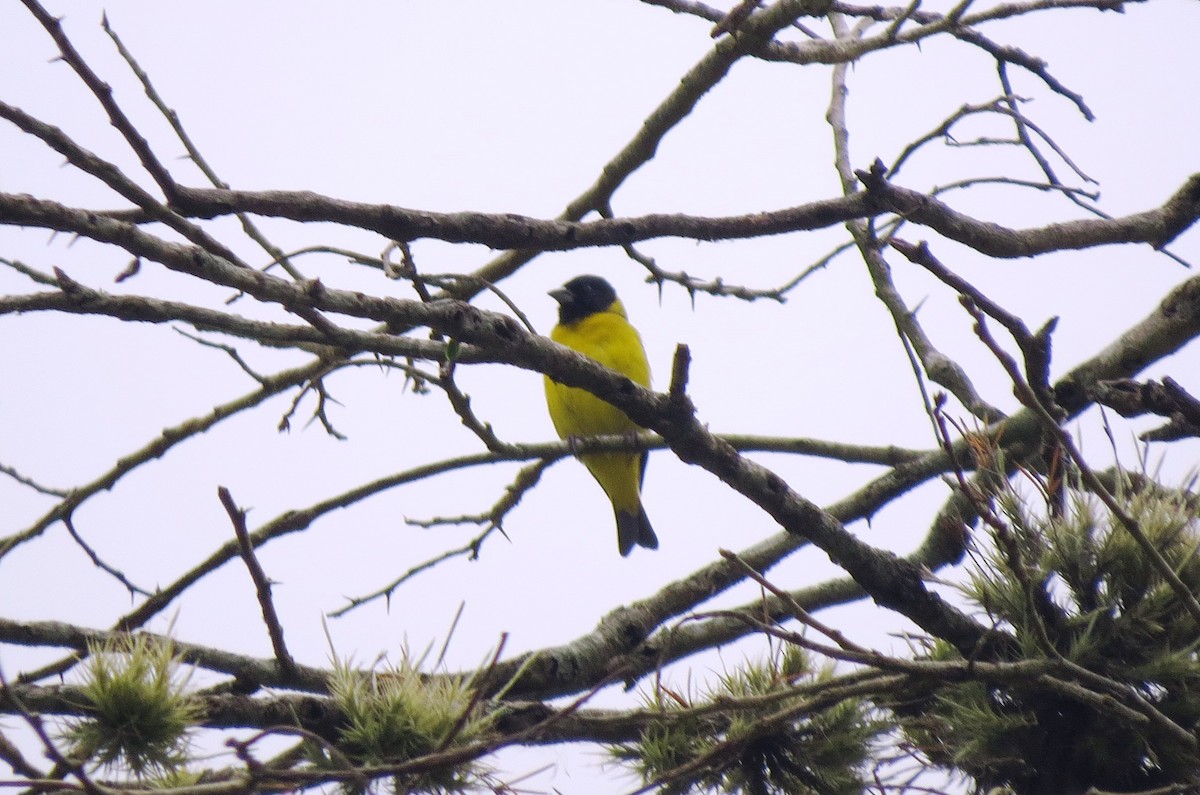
(139, 711)
(1078, 591)
(401, 714)
(753, 732)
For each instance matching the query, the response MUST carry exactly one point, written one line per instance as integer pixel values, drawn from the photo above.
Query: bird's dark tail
(634, 529)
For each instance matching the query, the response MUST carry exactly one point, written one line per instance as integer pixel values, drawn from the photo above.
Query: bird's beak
(562, 295)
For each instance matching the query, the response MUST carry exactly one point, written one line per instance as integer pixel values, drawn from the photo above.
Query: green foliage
(1079, 590)
(140, 713)
(400, 714)
(754, 733)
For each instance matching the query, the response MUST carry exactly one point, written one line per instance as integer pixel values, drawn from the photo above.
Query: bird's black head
(583, 296)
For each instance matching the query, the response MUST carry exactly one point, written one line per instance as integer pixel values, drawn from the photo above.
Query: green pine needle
(822, 752)
(140, 713)
(1080, 587)
(400, 714)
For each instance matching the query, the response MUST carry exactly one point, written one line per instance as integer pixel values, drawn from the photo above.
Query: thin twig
(31, 483)
(229, 349)
(193, 151)
(262, 585)
(115, 573)
(794, 607)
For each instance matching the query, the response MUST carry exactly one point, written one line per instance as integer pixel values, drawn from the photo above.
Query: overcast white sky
(515, 107)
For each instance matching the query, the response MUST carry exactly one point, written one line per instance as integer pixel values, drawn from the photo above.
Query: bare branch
(1157, 227)
(115, 573)
(262, 585)
(172, 118)
(1166, 399)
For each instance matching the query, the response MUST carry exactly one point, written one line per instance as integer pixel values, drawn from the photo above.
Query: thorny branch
(237, 516)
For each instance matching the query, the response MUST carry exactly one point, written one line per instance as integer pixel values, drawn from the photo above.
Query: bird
(592, 321)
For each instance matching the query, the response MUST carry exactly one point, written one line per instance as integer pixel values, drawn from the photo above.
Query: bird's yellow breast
(608, 338)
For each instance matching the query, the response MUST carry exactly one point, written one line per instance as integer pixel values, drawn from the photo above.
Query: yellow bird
(592, 321)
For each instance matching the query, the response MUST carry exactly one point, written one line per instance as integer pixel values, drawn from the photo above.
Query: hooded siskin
(592, 321)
